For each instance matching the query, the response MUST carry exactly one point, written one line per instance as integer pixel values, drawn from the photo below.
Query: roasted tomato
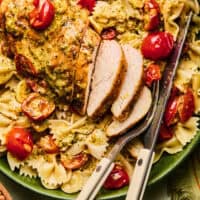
(165, 133)
(170, 116)
(88, 4)
(152, 15)
(157, 45)
(152, 73)
(42, 15)
(118, 178)
(37, 107)
(108, 34)
(19, 143)
(74, 162)
(186, 106)
(48, 144)
(24, 65)
(37, 86)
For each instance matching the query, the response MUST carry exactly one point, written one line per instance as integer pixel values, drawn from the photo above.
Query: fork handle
(96, 180)
(140, 175)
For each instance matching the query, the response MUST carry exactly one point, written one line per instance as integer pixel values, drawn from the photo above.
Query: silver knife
(145, 159)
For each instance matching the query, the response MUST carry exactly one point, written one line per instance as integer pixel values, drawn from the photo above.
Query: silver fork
(105, 166)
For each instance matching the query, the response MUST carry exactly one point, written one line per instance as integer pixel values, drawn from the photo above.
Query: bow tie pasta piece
(25, 170)
(13, 162)
(187, 131)
(196, 89)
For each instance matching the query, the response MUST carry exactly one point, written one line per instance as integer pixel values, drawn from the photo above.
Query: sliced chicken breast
(131, 83)
(140, 109)
(108, 74)
(84, 69)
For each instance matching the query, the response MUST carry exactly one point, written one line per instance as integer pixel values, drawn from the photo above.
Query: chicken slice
(107, 78)
(140, 109)
(84, 69)
(131, 83)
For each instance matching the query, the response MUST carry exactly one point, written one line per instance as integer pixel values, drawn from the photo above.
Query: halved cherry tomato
(186, 107)
(24, 65)
(108, 34)
(157, 45)
(152, 15)
(118, 178)
(88, 4)
(171, 111)
(165, 133)
(37, 107)
(37, 87)
(19, 143)
(75, 162)
(48, 144)
(42, 15)
(152, 73)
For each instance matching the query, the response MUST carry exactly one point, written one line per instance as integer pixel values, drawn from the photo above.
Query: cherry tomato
(108, 34)
(24, 65)
(19, 143)
(171, 111)
(48, 144)
(157, 45)
(37, 107)
(118, 178)
(186, 107)
(36, 86)
(152, 15)
(165, 133)
(88, 4)
(75, 162)
(152, 73)
(42, 15)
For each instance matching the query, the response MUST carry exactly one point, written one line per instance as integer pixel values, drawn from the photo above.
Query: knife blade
(151, 135)
(145, 158)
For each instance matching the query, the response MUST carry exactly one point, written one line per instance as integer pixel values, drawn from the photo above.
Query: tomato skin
(37, 107)
(165, 133)
(42, 15)
(186, 107)
(152, 16)
(118, 178)
(24, 65)
(88, 4)
(157, 45)
(152, 73)
(19, 143)
(75, 162)
(171, 111)
(108, 34)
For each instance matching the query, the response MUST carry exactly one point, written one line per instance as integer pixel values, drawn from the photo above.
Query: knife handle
(140, 175)
(96, 180)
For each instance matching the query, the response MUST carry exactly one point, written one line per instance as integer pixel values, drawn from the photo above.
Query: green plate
(165, 165)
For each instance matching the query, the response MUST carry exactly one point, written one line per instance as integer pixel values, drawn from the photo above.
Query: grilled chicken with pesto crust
(131, 84)
(139, 110)
(108, 74)
(84, 70)
(50, 54)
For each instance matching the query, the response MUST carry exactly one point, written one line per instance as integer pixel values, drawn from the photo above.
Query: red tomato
(42, 15)
(152, 73)
(171, 111)
(157, 45)
(19, 143)
(37, 107)
(118, 178)
(88, 4)
(165, 133)
(186, 107)
(108, 34)
(48, 144)
(24, 65)
(152, 15)
(75, 162)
